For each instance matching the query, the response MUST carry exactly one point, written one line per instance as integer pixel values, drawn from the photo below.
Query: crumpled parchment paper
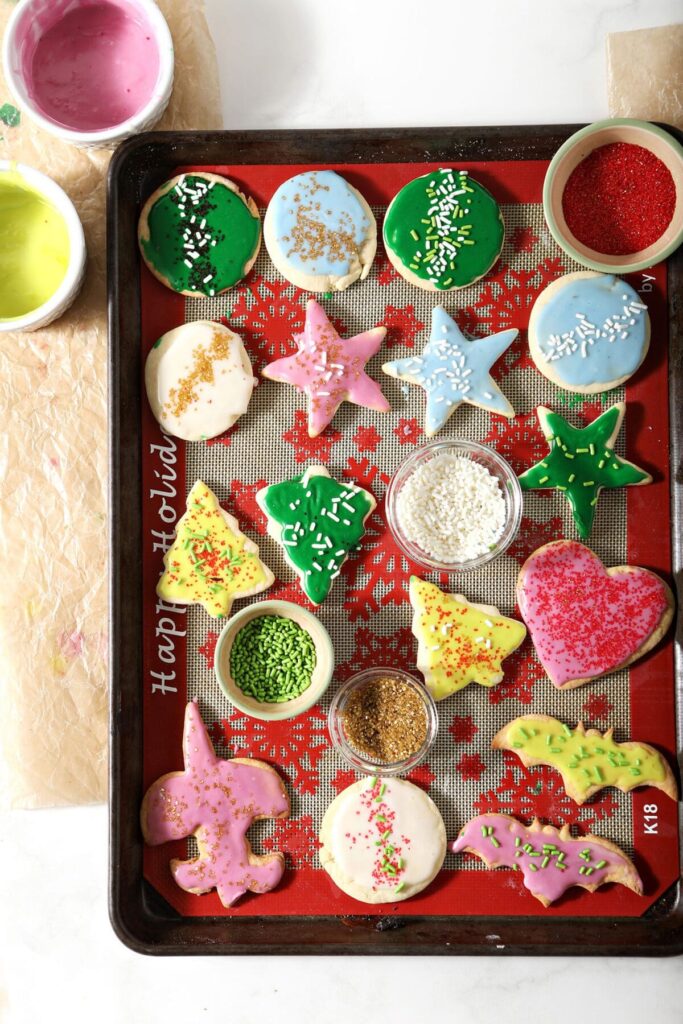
(53, 474)
(645, 74)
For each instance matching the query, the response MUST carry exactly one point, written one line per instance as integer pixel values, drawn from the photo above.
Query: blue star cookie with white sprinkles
(454, 369)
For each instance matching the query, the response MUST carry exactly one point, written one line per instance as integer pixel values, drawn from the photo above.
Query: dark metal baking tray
(140, 917)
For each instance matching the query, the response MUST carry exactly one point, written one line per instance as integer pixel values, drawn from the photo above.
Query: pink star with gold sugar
(330, 369)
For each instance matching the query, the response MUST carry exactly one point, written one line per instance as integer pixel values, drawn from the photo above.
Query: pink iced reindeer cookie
(216, 801)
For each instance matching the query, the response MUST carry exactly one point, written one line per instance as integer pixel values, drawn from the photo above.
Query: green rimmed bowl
(577, 148)
(320, 679)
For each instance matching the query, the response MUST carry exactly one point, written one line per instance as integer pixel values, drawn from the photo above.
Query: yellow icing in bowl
(34, 247)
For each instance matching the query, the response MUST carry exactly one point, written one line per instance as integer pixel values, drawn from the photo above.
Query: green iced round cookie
(199, 235)
(443, 230)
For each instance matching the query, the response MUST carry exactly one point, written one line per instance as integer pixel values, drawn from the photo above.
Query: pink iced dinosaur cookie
(330, 369)
(549, 858)
(586, 620)
(216, 801)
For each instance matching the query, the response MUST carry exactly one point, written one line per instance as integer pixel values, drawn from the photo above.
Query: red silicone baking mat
(368, 614)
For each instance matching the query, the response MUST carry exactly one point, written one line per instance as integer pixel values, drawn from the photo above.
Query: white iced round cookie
(320, 232)
(198, 380)
(382, 840)
(589, 332)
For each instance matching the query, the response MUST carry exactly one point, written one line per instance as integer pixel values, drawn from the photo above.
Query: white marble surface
(311, 63)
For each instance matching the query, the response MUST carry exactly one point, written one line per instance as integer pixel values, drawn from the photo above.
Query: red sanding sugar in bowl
(619, 200)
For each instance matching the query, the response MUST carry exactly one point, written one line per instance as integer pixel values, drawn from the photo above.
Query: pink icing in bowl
(90, 71)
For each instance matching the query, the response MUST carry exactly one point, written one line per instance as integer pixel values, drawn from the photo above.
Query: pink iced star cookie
(330, 369)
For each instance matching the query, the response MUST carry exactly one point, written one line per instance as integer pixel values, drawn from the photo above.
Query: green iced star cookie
(581, 462)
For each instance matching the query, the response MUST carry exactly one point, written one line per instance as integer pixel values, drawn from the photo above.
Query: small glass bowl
(361, 762)
(485, 456)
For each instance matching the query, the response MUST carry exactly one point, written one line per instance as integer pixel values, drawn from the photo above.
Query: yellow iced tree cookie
(211, 562)
(458, 642)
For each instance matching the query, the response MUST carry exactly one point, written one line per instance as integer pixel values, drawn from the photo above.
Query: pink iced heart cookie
(586, 620)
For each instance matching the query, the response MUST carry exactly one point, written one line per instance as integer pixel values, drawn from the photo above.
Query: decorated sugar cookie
(382, 840)
(589, 332)
(582, 461)
(586, 620)
(454, 369)
(588, 760)
(216, 801)
(329, 369)
(198, 380)
(317, 520)
(320, 232)
(211, 562)
(459, 643)
(443, 230)
(199, 235)
(550, 860)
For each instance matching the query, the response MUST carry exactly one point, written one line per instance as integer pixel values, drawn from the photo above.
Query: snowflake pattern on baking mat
(297, 838)
(533, 535)
(523, 239)
(597, 708)
(408, 431)
(470, 767)
(520, 440)
(390, 650)
(538, 792)
(522, 673)
(463, 728)
(386, 272)
(402, 326)
(208, 648)
(268, 313)
(243, 505)
(367, 439)
(318, 449)
(294, 746)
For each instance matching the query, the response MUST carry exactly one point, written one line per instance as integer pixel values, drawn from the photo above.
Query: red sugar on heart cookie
(586, 620)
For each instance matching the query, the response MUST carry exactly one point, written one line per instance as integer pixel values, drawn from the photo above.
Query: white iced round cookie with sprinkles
(320, 232)
(199, 380)
(443, 230)
(382, 840)
(589, 332)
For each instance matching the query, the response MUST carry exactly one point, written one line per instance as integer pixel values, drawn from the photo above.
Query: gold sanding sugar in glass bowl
(383, 720)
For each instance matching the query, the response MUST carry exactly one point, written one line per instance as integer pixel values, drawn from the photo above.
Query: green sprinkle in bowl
(320, 678)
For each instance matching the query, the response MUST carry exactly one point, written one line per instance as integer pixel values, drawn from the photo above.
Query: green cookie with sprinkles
(581, 461)
(199, 235)
(318, 521)
(443, 230)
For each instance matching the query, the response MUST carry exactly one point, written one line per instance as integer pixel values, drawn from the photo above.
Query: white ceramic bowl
(67, 291)
(320, 679)
(31, 18)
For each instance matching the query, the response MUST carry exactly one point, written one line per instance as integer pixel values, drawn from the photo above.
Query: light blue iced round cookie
(589, 332)
(320, 232)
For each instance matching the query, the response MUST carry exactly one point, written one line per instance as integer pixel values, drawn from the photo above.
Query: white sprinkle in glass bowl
(478, 544)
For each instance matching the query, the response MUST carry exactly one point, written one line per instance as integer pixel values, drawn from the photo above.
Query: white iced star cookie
(454, 369)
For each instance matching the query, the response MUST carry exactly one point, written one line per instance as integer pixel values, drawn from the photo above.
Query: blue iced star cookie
(454, 369)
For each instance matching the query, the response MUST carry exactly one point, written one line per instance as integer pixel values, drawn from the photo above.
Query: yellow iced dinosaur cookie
(458, 642)
(211, 562)
(587, 760)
